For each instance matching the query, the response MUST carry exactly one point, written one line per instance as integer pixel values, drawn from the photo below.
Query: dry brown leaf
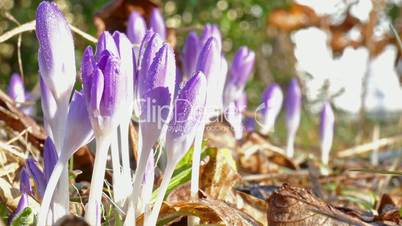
(209, 211)
(219, 176)
(219, 135)
(388, 210)
(296, 17)
(19, 122)
(293, 206)
(256, 208)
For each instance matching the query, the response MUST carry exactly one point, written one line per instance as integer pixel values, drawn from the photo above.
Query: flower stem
(125, 158)
(151, 221)
(117, 185)
(92, 215)
(50, 188)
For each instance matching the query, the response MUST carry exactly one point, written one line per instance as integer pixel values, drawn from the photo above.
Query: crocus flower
(187, 116)
(56, 51)
(210, 63)
(157, 24)
(16, 88)
(293, 107)
(190, 54)
(78, 133)
(211, 30)
(17, 92)
(136, 28)
(327, 120)
(272, 99)
(155, 89)
(234, 115)
(239, 73)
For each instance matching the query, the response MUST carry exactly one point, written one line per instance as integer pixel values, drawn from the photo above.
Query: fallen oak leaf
(299, 207)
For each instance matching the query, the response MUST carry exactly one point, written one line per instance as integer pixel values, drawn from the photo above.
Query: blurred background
(342, 50)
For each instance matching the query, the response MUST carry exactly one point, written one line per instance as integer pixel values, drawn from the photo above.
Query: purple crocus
(190, 54)
(156, 90)
(249, 124)
(211, 30)
(136, 28)
(272, 99)
(239, 72)
(37, 175)
(327, 121)
(56, 51)
(234, 115)
(211, 63)
(16, 88)
(293, 113)
(78, 133)
(157, 24)
(187, 116)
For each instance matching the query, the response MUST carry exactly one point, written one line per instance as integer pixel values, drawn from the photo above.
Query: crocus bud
(56, 51)
(187, 115)
(157, 87)
(16, 88)
(106, 42)
(136, 28)
(50, 158)
(293, 107)
(190, 54)
(234, 115)
(49, 108)
(25, 185)
(211, 30)
(272, 99)
(157, 24)
(126, 71)
(239, 73)
(327, 120)
(37, 175)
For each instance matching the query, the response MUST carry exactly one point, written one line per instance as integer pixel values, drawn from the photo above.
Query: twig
(30, 26)
(11, 150)
(360, 149)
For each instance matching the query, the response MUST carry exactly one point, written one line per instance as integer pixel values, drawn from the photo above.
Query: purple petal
(327, 120)
(249, 124)
(190, 54)
(78, 127)
(25, 184)
(211, 30)
(157, 24)
(189, 106)
(49, 107)
(151, 48)
(37, 175)
(293, 105)
(144, 45)
(96, 91)
(50, 157)
(209, 59)
(127, 69)
(111, 97)
(106, 42)
(88, 67)
(162, 72)
(16, 88)
(242, 65)
(155, 110)
(136, 28)
(272, 99)
(56, 50)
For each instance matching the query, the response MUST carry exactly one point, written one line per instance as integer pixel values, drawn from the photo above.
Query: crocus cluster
(137, 73)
